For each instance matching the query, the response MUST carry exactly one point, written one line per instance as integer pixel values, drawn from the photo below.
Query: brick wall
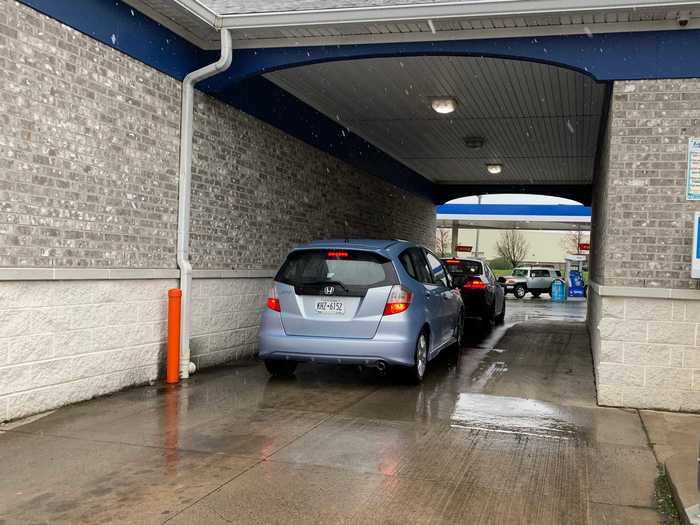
(646, 231)
(89, 156)
(88, 178)
(257, 192)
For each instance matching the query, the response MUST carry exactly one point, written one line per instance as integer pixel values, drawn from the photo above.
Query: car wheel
(501, 318)
(488, 320)
(280, 368)
(421, 359)
(536, 294)
(519, 291)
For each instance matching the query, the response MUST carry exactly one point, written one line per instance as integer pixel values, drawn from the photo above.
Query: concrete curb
(674, 440)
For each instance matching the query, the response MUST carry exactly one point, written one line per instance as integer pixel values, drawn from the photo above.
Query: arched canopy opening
(512, 126)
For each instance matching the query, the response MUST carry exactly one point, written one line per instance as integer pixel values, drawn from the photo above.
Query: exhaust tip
(381, 367)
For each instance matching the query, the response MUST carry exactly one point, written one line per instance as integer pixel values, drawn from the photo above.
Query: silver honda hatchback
(369, 302)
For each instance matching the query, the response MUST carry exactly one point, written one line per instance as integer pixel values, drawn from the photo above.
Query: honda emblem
(329, 290)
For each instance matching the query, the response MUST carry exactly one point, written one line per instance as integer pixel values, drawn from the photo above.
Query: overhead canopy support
(510, 216)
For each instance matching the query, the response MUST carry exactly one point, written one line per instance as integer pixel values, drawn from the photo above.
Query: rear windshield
(457, 267)
(351, 272)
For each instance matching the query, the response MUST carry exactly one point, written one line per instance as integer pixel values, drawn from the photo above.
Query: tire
(280, 368)
(519, 291)
(536, 294)
(420, 359)
(489, 319)
(501, 318)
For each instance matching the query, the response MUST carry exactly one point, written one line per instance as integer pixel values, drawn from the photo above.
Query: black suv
(482, 294)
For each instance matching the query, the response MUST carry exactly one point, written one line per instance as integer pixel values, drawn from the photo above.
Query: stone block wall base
(68, 341)
(646, 347)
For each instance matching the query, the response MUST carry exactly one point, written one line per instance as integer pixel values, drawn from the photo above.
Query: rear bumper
(475, 304)
(276, 344)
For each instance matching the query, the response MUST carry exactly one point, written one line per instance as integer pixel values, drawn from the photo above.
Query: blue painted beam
(548, 210)
(605, 56)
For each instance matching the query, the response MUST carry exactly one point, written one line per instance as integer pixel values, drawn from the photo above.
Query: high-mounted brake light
(475, 284)
(273, 302)
(399, 300)
(337, 254)
(454, 261)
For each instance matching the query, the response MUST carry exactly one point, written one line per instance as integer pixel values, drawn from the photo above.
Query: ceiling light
(444, 105)
(494, 169)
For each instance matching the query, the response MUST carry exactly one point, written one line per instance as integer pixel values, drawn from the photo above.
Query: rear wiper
(314, 283)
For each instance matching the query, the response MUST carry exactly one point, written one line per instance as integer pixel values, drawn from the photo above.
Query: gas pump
(575, 265)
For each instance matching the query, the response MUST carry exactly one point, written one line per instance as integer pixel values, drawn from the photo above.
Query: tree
(513, 247)
(443, 242)
(572, 240)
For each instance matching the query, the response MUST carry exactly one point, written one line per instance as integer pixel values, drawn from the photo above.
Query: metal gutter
(185, 192)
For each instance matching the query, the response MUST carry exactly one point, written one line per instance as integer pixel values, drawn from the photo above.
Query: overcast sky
(515, 198)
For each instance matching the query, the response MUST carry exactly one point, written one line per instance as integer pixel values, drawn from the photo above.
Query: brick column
(644, 309)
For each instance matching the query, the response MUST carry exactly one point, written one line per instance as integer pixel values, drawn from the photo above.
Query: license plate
(330, 307)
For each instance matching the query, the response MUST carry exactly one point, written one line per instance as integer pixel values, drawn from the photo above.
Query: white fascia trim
(466, 34)
(463, 9)
(201, 11)
(144, 8)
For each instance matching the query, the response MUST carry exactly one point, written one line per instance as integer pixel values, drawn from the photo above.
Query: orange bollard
(172, 363)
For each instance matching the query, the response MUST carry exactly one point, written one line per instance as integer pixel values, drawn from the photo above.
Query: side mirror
(502, 280)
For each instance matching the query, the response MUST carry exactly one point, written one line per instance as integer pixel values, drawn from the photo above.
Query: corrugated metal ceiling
(540, 121)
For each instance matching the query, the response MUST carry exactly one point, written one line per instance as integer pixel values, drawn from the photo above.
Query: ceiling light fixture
(444, 105)
(494, 169)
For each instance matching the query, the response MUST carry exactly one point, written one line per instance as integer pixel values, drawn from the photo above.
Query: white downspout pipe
(184, 197)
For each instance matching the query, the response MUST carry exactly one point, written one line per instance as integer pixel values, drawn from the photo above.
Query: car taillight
(273, 303)
(475, 284)
(399, 300)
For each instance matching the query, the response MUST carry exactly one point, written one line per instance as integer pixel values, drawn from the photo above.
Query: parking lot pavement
(505, 430)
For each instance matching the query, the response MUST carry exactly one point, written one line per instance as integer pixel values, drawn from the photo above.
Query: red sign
(464, 249)
(584, 246)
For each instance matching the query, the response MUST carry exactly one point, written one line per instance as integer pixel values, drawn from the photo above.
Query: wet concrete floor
(505, 430)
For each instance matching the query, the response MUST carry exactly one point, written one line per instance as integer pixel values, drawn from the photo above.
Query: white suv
(536, 280)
